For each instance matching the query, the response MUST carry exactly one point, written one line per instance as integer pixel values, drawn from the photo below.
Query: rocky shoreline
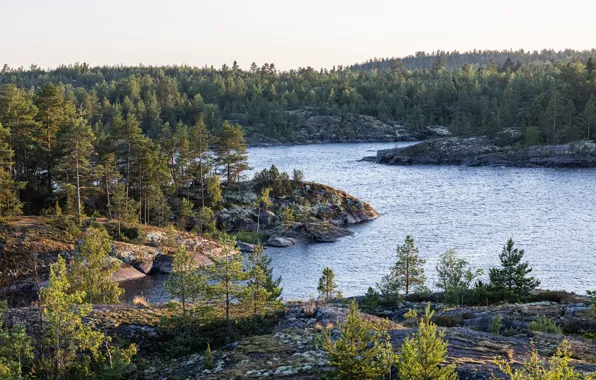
(482, 151)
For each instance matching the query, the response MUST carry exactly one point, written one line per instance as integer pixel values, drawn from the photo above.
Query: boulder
(127, 273)
(277, 241)
(245, 247)
(144, 266)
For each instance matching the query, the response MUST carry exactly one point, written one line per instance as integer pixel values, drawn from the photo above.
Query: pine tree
(327, 287)
(107, 174)
(186, 282)
(124, 209)
(75, 143)
(423, 356)
(231, 151)
(363, 350)
(455, 277)
(262, 292)
(512, 280)
(91, 270)
(262, 203)
(66, 339)
(200, 147)
(408, 269)
(185, 212)
(389, 288)
(50, 116)
(16, 350)
(225, 275)
(590, 117)
(214, 192)
(17, 113)
(10, 204)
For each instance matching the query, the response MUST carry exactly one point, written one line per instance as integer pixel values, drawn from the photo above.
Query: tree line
(474, 93)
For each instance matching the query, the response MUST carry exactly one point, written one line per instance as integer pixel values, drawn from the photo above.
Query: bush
(250, 237)
(544, 324)
(554, 296)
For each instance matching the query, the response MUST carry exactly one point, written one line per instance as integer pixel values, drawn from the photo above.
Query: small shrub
(411, 314)
(208, 360)
(544, 324)
(309, 308)
(141, 300)
(496, 325)
(446, 320)
(250, 237)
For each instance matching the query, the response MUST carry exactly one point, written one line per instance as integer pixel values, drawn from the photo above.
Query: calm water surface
(551, 213)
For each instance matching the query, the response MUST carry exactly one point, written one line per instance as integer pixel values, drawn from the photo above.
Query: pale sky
(317, 33)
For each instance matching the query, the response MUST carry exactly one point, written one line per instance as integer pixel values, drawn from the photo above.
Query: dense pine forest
(139, 132)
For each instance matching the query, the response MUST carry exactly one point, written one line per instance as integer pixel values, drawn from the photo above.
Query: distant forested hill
(476, 58)
(547, 95)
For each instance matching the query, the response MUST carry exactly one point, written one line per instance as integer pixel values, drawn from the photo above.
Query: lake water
(551, 213)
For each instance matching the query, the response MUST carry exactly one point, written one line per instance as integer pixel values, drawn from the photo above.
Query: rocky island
(483, 151)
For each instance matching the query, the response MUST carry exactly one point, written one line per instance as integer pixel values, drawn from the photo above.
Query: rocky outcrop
(482, 151)
(321, 214)
(310, 127)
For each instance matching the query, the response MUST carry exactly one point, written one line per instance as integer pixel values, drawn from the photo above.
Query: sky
(316, 33)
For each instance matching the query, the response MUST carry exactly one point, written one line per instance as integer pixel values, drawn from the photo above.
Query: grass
(250, 237)
(544, 324)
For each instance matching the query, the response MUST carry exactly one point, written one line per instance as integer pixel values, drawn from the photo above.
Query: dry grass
(141, 300)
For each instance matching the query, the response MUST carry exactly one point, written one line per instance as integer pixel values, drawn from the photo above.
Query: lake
(551, 213)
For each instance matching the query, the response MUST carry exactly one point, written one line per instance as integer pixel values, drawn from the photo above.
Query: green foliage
(124, 209)
(258, 259)
(262, 203)
(287, 216)
(205, 221)
(91, 270)
(496, 325)
(544, 324)
(250, 237)
(186, 282)
(389, 288)
(455, 277)
(231, 151)
(279, 182)
(225, 275)
(411, 314)
(422, 356)
(532, 136)
(208, 360)
(10, 204)
(511, 281)
(16, 350)
(214, 197)
(409, 268)
(69, 344)
(557, 368)
(371, 301)
(363, 350)
(185, 212)
(327, 287)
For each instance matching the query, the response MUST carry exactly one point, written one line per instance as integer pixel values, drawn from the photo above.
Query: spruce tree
(389, 288)
(362, 351)
(16, 349)
(327, 287)
(511, 281)
(409, 268)
(91, 270)
(423, 356)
